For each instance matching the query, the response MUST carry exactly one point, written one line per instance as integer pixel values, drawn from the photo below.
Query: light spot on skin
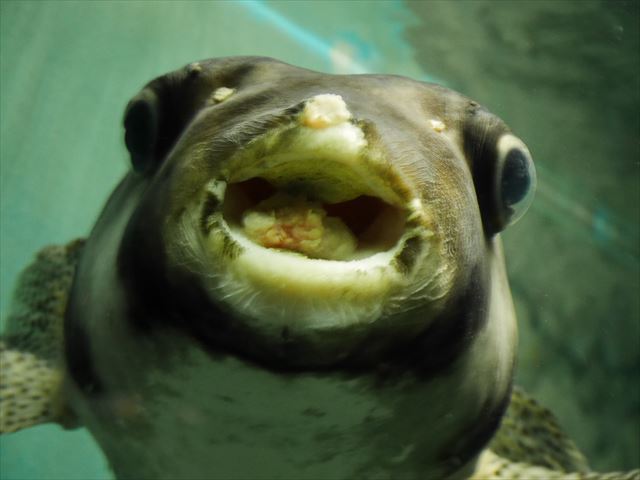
(437, 125)
(194, 68)
(221, 94)
(125, 407)
(324, 111)
(190, 416)
(416, 210)
(217, 188)
(403, 454)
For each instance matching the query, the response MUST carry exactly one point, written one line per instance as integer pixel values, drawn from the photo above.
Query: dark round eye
(140, 123)
(515, 182)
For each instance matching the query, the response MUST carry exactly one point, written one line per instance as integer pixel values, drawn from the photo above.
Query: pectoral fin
(31, 371)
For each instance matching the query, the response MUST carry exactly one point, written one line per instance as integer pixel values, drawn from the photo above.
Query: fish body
(188, 331)
(300, 277)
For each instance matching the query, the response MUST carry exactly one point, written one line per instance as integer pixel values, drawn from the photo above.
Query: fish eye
(515, 181)
(141, 124)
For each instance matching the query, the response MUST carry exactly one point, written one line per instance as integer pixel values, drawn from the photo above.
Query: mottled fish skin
(31, 345)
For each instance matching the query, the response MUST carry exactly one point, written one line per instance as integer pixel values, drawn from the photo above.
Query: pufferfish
(301, 277)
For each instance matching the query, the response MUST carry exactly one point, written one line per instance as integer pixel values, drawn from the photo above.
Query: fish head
(326, 217)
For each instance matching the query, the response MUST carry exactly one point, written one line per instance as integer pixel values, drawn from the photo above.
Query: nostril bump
(324, 111)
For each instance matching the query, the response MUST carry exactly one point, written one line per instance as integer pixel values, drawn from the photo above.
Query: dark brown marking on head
(211, 204)
(231, 249)
(406, 259)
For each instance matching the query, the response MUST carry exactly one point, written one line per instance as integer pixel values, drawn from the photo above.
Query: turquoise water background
(564, 75)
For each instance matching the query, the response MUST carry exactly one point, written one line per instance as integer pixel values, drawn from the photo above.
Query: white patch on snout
(329, 128)
(324, 111)
(342, 141)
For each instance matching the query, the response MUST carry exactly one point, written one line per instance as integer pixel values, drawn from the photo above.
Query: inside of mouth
(287, 219)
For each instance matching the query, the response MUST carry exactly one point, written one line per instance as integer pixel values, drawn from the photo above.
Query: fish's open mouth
(314, 187)
(311, 227)
(288, 219)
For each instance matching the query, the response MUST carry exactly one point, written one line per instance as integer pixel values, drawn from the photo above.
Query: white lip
(282, 285)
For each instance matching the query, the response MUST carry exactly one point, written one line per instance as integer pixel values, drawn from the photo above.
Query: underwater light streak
(607, 235)
(313, 42)
(302, 36)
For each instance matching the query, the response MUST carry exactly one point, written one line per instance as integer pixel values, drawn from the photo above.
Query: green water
(564, 75)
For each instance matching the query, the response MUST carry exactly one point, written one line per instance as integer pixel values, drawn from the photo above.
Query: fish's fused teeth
(324, 111)
(221, 94)
(437, 125)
